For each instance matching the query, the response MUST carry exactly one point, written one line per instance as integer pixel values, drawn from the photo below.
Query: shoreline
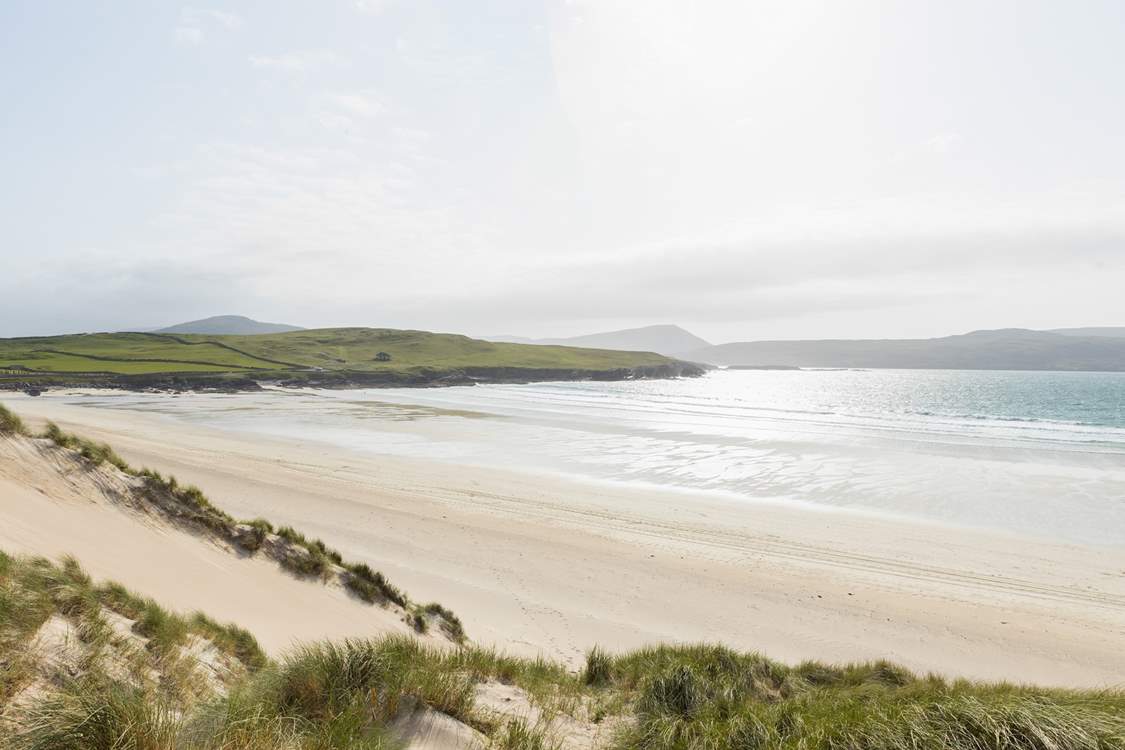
(604, 484)
(545, 564)
(249, 381)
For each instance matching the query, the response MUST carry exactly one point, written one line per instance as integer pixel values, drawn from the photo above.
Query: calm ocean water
(1027, 452)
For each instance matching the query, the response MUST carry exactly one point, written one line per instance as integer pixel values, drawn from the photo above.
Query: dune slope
(53, 504)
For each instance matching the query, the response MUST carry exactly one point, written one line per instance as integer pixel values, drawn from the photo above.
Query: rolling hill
(1005, 349)
(1113, 332)
(234, 325)
(328, 357)
(669, 340)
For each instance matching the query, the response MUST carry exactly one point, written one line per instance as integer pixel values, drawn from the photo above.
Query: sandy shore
(52, 505)
(542, 564)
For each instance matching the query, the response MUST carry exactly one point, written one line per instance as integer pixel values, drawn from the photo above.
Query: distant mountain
(1113, 332)
(232, 325)
(668, 340)
(1006, 349)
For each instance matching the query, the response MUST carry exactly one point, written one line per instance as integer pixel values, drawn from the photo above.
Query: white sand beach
(539, 564)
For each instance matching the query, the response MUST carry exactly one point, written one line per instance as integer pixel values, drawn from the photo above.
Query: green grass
(331, 349)
(598, 667)
(333, 696)
(100, 715)
(712, 697)
(258, 530)
(10, 423)
(517, 735)
(230, 638)
(94, 452)
(31, 589)
(88, 708)
(371, 585)
(125, 353)
(450, 624)
(355, 349)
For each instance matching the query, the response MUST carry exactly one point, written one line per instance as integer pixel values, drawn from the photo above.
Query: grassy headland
(326, 357)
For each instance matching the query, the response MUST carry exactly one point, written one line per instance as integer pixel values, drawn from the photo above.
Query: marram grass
(10, 423)
(344, 695)
(712, 697)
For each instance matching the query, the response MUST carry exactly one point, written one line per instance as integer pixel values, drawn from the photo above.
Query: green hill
(229, 324)
(330, 356)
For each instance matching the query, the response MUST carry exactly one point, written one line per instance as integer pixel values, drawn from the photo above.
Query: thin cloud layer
(757, 170)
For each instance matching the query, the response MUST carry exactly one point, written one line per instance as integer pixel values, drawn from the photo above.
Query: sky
(748, 170)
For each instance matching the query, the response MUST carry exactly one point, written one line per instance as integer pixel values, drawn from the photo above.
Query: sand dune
(52, 505)
(539, 564)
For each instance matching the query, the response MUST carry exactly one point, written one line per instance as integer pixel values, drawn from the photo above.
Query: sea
(1039, 454)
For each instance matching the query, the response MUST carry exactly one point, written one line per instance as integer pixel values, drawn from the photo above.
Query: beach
(538, 563)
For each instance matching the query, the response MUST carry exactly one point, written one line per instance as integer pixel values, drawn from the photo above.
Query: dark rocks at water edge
(417, 378)
(474, 375)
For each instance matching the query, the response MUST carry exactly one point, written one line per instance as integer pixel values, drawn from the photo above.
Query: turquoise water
(1027, 452)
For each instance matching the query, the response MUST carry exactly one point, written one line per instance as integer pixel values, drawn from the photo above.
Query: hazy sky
(745, 169)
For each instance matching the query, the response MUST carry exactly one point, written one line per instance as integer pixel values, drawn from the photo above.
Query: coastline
(33, 383)
(544, 564)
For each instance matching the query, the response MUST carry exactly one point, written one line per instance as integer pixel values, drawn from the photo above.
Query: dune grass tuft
(254, 536)
(243, 722)
(261, 525)
(94, 452)
(599, 667)
(164, 630)
(449, 623)
(711, 697)
(10, 423)
(323, 679)
(372, 586)
(99, 715)
(308, 563)
(230, 638)
(517, 734)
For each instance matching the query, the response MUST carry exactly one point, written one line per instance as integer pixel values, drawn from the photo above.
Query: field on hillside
(332, 349)
(357, 348)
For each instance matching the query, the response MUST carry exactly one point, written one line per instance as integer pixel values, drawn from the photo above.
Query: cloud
(700, 164)
(191, 30)
(188, 35)
(334, 121)
(200, 17)
(965, 276)
(297, 62)
(943, 143)
(363, 104)
(372, 7)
